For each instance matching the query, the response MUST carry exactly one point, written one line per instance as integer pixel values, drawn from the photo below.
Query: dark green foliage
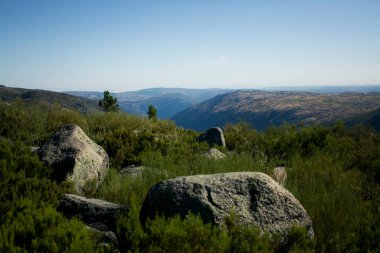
(109, 103)
(31, 124)
(333, 171)
(28, 220)
(130, 233)
(152, 113)
(192, 235)
(297, 241)
(241, 138)
(42, 229)
(23, 176)
(188, 235)
(247, 239)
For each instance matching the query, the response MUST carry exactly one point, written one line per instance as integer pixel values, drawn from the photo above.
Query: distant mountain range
(171, 101)
(35, 96)
(168, 101)
(328, 89)
(200, 109)
(262, 108)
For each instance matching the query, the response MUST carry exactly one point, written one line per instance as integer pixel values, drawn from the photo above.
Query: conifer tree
(152, 113)
(109, 103)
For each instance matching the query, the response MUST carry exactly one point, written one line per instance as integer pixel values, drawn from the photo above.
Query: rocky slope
(262, 109)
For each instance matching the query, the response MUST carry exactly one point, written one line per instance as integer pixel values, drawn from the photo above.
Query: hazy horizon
(126, 45)
(310, 88)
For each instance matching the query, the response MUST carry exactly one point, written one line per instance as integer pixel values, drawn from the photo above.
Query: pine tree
(109, 103)
(152, 113)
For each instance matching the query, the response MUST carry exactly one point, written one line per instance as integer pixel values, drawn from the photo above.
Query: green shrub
(23, 176)
(31, 124)
(192, 235)
(130, 233)
(247, 239)
(297, 241)
(188, 235)
(31, 229)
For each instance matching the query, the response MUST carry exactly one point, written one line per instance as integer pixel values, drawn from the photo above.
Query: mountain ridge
(168, 101)
(262, 108)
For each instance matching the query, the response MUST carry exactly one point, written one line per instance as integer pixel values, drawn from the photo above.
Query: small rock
(96, 213)
(213, 153)
(213, 136)
(105, 238)
(132, 171)
(138, 172)
(34, 149)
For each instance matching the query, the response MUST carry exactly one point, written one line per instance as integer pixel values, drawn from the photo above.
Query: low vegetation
(333, 171)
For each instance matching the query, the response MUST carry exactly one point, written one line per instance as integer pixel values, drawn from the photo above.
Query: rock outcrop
(96, 213)
(213, 153)
(254, 197)
(74, 156)
(213, 136)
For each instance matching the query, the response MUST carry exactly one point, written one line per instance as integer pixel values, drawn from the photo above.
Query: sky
(122, 45)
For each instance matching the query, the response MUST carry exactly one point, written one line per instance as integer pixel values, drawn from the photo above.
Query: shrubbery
(192, 235)
(333, 171)
(28, 219)
(42, 229)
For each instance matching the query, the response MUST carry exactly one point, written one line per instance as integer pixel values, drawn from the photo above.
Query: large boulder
(254, 197)
(96, 213)
(213, 136)
(75, 157)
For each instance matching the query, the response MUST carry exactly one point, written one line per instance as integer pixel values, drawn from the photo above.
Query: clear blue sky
(128, 45)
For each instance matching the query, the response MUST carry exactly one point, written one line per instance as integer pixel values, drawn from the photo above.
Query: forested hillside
(35, 96)
(333, 171)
